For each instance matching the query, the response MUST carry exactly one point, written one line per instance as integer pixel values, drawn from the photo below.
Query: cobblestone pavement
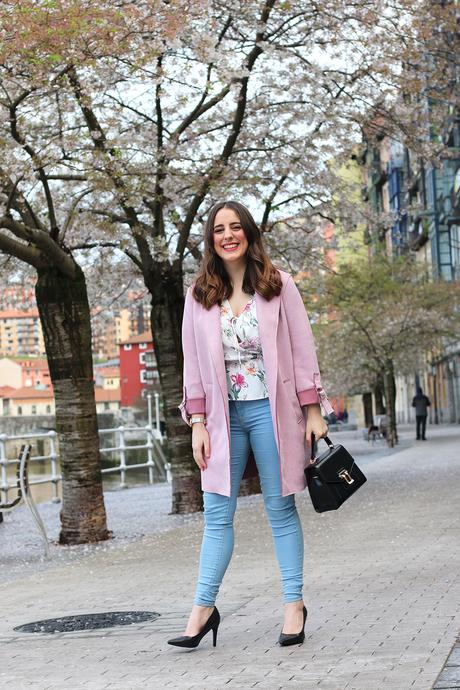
(449, 678)
(382, 588)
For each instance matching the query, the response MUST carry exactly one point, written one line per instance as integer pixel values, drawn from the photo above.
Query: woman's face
(230, 241)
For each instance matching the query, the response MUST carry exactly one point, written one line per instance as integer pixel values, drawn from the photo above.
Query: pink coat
(293, 380)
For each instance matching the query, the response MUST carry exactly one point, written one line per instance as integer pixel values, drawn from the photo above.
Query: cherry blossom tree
(380, 315)
(39, 212)
(252, 101)
(249, 99)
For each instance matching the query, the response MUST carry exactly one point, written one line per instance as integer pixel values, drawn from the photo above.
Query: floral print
(243, 353)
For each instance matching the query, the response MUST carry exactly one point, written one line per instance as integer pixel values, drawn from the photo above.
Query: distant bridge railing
(120, 446)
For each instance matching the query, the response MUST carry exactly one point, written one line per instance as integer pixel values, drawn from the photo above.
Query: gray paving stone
(382, 588)
(450, 674)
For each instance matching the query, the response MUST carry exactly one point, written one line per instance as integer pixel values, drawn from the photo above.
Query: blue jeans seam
(299, 546)
(221, 544)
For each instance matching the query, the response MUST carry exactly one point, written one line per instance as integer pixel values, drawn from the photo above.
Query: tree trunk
(390, 397)
(65, 318)
(167, 294)
(368, 413)
(378, 395)
(250, 486)
(165, 284)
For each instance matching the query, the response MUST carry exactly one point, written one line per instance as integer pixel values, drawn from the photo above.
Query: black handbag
(332, 477)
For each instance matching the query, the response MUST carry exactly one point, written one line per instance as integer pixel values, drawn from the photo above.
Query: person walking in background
(252, 393)
(421, 403)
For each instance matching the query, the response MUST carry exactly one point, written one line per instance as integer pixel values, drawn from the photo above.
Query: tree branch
(23, 252)
(202, 107)
(18, 202)
(115, 245)
(68, 177)
(99, 140)
(269, 202)
(35, 159)
(158, 225)
(218, 165)
(53, 253)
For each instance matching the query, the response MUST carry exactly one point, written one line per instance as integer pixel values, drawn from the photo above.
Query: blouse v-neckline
(243, 310)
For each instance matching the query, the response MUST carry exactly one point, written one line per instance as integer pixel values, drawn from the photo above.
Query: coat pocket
(294, 400)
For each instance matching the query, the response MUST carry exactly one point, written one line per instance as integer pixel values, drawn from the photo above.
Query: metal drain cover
(88, 621)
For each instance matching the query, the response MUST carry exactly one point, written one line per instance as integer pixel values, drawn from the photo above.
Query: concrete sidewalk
(382, 588)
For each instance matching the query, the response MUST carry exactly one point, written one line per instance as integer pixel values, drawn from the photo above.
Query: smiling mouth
(231, 247)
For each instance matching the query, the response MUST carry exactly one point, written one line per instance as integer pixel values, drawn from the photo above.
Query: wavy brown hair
(212, 283)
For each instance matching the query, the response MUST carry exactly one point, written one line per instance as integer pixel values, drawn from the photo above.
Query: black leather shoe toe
(194, 640)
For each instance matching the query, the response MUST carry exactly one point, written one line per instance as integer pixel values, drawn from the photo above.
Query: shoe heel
(194, 640)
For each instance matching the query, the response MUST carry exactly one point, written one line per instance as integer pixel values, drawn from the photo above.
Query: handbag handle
(314, 444)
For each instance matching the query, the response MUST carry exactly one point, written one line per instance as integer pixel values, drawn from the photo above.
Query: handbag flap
(331, 462)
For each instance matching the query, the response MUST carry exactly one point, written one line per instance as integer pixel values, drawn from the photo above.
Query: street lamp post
(435, 393)
(149, 409)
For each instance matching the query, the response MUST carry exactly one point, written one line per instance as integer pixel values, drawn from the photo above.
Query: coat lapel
(216, 347)
(268, 312)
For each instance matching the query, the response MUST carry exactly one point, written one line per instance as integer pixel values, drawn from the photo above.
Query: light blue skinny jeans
(251, 426)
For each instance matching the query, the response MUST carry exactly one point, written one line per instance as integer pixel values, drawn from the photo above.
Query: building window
(48, 409)
(106, 406)
(34, 409)
(19, 409)
(128, 346)
(142, 357)
(143, 376)
(142, 346)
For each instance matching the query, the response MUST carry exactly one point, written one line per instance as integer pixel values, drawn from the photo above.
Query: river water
(42, 493)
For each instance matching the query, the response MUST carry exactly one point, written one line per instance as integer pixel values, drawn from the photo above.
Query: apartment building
(27, 373)
(21, 334)
(25, 402)
(107, 378)
(18, 296)
(419, 205)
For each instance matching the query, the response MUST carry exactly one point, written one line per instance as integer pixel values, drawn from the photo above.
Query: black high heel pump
(194, 640)
(286, 639)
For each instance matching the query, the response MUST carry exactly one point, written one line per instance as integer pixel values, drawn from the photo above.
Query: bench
(377, 431)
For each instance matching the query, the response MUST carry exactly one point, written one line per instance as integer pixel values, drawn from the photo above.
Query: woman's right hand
(200, 445)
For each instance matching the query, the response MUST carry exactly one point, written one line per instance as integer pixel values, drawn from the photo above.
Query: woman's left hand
(315, 423)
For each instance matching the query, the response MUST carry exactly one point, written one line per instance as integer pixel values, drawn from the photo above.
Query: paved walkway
(382, 587)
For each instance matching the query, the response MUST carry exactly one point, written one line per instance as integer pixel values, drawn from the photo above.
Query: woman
(251, 390)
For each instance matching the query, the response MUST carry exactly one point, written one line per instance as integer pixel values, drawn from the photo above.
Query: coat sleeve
(306, 369)
(194, 397)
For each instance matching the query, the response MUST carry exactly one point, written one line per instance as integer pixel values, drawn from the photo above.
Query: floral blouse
(243, 352)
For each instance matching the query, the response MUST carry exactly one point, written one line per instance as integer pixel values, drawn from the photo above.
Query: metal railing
(155, 457)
